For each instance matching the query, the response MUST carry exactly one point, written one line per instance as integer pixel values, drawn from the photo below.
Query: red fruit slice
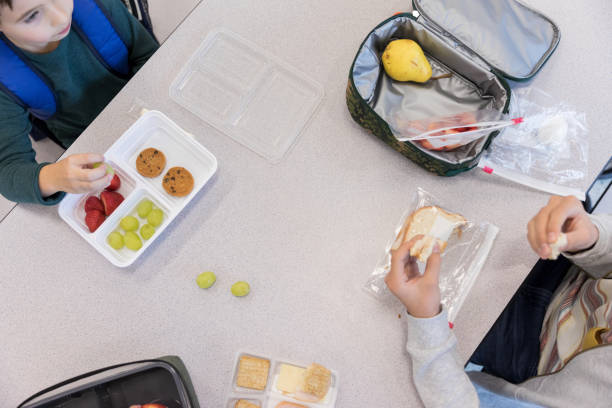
(94, 219)
(114, 184)
(110, 200)
(93, 203)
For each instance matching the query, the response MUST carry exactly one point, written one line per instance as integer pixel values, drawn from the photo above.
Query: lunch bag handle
(80, 377)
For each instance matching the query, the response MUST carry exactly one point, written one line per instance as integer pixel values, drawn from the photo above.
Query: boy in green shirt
(83, 86)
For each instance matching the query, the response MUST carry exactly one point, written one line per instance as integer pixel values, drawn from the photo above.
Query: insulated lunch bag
(480, 43)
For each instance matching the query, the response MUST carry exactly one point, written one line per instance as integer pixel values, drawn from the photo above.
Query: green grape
(206, 279)
(144, 208)
(109, 169)
(115, 240)
(147, 231)
(129, 223)
(155, 217)
(132, 241)
(240, 289)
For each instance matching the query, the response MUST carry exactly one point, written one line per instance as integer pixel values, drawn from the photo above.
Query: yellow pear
(404, 60)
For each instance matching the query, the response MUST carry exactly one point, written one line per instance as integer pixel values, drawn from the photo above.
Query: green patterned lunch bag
(480, 43)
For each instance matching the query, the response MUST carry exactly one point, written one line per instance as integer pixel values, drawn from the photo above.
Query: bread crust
(403, 236)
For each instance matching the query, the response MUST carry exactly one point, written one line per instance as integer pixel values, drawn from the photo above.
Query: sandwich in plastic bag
(464, 248)
(548, 151)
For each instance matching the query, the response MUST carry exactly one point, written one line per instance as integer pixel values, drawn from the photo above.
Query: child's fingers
(99, 184)
(569, 207)
(432, 269)
(92, 174)
(399, 259)
(540, 223)
(83, 159)
(531, 237)
(404, 249)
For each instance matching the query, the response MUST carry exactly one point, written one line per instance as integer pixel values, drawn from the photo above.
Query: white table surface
(305, 233)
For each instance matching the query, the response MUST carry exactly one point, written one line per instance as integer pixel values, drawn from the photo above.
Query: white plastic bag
(548, 151)
(462, 260)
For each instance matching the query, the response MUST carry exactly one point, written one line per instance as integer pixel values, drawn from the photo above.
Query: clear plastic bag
(431, 132)
(548, 151)
(462, 260)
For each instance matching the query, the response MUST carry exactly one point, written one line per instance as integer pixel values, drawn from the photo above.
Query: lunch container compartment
(328, 401)
(271, 395)
(125, 255)
(480, 46)
(164, 381)
(247, 93)
(155, 130)
(244, 390)
(78, 209)
(231, 403)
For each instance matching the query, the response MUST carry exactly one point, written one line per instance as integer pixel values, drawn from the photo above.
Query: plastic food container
(153, 129)
(247, 93)
(271, 396)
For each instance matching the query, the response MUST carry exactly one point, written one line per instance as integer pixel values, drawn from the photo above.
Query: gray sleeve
(436, 368)
(597, 261)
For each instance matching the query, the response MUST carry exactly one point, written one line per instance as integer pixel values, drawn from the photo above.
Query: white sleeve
(436, 369)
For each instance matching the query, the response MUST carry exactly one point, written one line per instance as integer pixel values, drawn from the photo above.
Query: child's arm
(22, 179)
(436, 370)
(141, 44)
(18, 168)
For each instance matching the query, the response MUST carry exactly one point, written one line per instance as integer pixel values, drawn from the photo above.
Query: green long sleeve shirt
(83, 87)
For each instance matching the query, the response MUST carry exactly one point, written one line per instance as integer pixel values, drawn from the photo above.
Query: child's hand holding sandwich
(419, 293)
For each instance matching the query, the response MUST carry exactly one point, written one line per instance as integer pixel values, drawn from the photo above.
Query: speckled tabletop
(305, 233)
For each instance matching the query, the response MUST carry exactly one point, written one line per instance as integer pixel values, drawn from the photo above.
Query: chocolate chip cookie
(150, 162)
(178, 182)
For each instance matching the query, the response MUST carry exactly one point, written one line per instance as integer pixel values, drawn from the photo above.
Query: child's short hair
(8, 3)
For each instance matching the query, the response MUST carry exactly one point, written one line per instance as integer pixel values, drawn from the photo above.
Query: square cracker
(316, 382)
(253, 372)
(245, 404)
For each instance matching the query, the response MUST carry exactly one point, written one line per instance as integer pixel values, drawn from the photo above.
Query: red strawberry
(111, 200)
(93, 203)
(94, 219)
(114, 184)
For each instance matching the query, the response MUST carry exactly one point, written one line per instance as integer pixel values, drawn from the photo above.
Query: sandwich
(436, 226)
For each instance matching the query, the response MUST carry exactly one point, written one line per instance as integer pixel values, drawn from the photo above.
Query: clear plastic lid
(248, 94)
